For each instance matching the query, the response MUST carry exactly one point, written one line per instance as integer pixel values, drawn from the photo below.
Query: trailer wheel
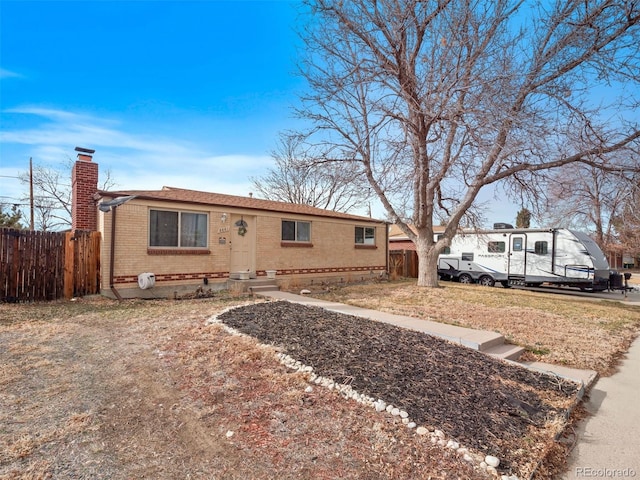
(486, 281)
(465, 278)
(505, 283)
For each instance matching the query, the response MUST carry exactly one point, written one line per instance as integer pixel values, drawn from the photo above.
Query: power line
(14, 204)
(62, 184)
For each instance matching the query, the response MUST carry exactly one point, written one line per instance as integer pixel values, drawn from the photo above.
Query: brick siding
(333, 252)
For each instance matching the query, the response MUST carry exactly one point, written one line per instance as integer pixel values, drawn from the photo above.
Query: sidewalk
(608, 442)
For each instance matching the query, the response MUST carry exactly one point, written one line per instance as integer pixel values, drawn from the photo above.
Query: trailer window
(496, 247)
(467, 257)
(541, 248)
(516, 245)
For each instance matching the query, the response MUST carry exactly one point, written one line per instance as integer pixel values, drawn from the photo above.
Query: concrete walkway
(476, 339)
(491, 343)
(608, 442)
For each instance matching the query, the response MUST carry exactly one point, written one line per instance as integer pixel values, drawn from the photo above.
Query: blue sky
(189, 94)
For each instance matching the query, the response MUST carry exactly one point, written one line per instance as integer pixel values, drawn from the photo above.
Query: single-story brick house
(185, 239)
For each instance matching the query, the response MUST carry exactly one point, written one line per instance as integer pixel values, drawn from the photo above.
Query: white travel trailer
(525, 257)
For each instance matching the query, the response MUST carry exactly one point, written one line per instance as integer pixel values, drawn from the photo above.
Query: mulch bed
(486, 404)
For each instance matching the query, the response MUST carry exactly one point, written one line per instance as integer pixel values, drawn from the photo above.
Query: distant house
(398, 240)
(176, 239)
(620, 260)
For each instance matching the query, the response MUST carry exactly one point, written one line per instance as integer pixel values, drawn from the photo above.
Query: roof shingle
(181, 195)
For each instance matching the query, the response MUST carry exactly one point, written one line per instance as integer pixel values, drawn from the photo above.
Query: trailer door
(517, 255)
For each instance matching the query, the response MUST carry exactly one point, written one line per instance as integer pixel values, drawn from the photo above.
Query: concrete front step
(505, 351)
(586, 377)
(257, 289)
(253, 285)
(489, 340)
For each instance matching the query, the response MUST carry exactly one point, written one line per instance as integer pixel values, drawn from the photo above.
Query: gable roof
(182, 195)
(398, 240)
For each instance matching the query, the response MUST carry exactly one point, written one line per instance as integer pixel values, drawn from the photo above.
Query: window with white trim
(295, 231)
(176, 229)
(365, 236)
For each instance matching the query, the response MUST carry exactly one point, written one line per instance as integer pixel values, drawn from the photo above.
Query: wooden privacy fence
(403, 263)
(37, 266)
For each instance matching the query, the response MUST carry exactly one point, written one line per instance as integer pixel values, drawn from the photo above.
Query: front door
(518, 255)
(243, 244)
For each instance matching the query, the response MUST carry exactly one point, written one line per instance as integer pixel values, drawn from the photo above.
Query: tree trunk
(427, 263)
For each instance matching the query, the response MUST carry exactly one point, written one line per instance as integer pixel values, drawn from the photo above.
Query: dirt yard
(144, 389)
(101, 390)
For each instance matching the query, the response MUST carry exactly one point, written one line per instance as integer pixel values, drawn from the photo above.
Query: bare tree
(627, 222)
(52, 195)
(298, 178)
(436, 100)
(588, 198)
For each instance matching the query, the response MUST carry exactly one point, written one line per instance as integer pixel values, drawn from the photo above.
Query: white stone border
(488, 463)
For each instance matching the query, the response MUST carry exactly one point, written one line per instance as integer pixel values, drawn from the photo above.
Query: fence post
(69, 265)
(406, 260)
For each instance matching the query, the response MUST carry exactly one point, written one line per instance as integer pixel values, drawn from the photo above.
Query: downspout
(553, 251)
(526, 242)
(112, 254)
(110, 206)
(386, 228)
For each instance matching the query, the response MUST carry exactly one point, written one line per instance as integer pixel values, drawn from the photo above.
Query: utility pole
(31, 191)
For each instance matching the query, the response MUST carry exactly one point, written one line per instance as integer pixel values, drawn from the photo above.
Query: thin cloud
(46, 113)
(63, 128)
(135, 160)
(4, 73)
